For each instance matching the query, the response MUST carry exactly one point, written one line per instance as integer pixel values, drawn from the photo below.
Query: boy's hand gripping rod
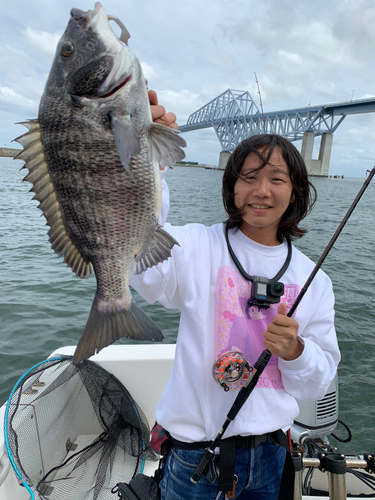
(263, 359)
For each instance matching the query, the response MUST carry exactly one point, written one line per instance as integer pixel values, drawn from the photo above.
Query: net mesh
(75, 431)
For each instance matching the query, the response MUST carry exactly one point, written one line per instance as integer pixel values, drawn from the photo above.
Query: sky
(303, 52)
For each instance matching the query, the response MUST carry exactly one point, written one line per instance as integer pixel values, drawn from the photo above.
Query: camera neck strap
(242, 270)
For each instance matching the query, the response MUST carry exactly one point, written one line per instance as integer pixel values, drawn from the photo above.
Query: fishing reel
(232, 371)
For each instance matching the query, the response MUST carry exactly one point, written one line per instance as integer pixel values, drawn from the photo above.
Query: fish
(93, 157)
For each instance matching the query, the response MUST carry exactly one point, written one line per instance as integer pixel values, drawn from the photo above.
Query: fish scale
(93, 162)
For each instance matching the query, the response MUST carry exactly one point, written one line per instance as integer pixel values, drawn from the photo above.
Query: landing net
(74, 432)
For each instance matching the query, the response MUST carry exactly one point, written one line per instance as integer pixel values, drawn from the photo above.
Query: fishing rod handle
(262, 361)
(209, 454)
(201, 467)
(245, 392)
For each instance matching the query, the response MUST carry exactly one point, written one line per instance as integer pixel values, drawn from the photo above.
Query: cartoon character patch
(240, 327)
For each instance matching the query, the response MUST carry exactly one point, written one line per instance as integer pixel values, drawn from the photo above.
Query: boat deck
(144, 371)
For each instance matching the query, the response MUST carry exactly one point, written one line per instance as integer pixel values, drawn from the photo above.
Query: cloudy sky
(303, 52)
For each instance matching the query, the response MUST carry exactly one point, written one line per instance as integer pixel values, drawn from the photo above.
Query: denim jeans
(258, 470)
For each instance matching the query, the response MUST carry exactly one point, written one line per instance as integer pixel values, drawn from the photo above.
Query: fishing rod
(263, 359)
(332, 242)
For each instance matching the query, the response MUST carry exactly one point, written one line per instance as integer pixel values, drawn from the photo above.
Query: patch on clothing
(239, 327)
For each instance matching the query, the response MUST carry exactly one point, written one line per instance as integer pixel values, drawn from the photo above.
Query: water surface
(43, 305)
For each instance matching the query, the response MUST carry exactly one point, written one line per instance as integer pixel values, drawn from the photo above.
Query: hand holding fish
(281, 336)
(158, 112)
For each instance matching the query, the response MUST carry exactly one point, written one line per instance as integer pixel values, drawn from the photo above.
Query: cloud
(43, 41)
(181, 103)
(9, 100)
(192, 51)
(325, 87)
(355, 21)
(149, 72)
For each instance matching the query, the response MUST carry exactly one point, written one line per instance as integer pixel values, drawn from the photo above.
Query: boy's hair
(304, 192)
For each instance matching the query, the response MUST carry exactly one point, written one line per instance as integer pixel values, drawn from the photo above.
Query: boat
(144, 371)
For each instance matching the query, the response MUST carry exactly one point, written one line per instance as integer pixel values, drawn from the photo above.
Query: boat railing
(336, 466)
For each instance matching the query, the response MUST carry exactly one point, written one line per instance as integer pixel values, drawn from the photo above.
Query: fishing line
(263, 359)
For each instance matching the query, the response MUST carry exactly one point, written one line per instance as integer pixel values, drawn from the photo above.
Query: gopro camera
(265, 292)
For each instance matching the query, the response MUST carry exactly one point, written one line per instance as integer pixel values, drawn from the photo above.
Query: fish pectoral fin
(166, 144)
(158, 251)
(126, 139)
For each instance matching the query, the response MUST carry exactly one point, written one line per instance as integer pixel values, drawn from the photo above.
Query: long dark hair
(304, 192)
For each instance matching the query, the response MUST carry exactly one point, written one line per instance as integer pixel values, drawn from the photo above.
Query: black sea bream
(93, 158)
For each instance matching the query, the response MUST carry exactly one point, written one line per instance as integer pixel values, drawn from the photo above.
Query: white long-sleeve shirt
(202, 281)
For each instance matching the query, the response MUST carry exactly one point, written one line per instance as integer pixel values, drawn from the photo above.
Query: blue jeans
(258, 470)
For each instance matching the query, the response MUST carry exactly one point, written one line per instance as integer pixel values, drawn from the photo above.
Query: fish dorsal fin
(166, 144)
(62, 244)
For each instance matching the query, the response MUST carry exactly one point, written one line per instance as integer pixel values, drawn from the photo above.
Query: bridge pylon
(316, 168)
(319, 167)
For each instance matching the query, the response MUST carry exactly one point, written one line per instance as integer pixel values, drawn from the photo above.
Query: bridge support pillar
(307, 149)
(320, 166)
(325, 153)
(223, 159)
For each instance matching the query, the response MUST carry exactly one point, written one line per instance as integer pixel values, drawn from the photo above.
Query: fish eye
(67, 49)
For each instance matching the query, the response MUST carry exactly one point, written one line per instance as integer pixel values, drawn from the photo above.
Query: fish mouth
(117, 88)
(77, 97)
(116, 73)
(84, 19)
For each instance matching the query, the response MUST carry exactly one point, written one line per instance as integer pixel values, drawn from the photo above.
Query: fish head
(90, 60)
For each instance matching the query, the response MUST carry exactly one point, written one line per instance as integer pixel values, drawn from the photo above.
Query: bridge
(9, 152)
(235, 116)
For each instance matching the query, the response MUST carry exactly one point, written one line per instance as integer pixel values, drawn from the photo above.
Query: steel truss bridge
(235, 116)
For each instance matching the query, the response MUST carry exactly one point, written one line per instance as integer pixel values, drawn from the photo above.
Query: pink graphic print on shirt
(239, 327)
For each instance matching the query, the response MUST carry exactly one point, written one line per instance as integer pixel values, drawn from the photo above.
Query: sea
(44, 306)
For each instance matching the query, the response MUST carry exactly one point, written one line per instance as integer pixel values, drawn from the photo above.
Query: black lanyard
(242, 270)
(264, 291)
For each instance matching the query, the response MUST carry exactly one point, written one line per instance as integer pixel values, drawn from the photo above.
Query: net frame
(120, 430)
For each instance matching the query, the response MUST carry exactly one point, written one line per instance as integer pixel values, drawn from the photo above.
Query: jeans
(258, 470)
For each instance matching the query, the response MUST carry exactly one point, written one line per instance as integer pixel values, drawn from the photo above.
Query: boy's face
(265, 195)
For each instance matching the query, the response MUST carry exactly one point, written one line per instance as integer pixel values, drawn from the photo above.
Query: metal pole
(352, 463)
(336, 469)
(298, 467)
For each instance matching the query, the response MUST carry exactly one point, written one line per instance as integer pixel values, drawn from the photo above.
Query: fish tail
(104, 327)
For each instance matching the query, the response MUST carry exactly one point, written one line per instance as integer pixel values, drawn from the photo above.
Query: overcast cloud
(303, 52)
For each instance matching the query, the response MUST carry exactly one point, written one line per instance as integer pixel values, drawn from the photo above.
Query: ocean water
(43, 305)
